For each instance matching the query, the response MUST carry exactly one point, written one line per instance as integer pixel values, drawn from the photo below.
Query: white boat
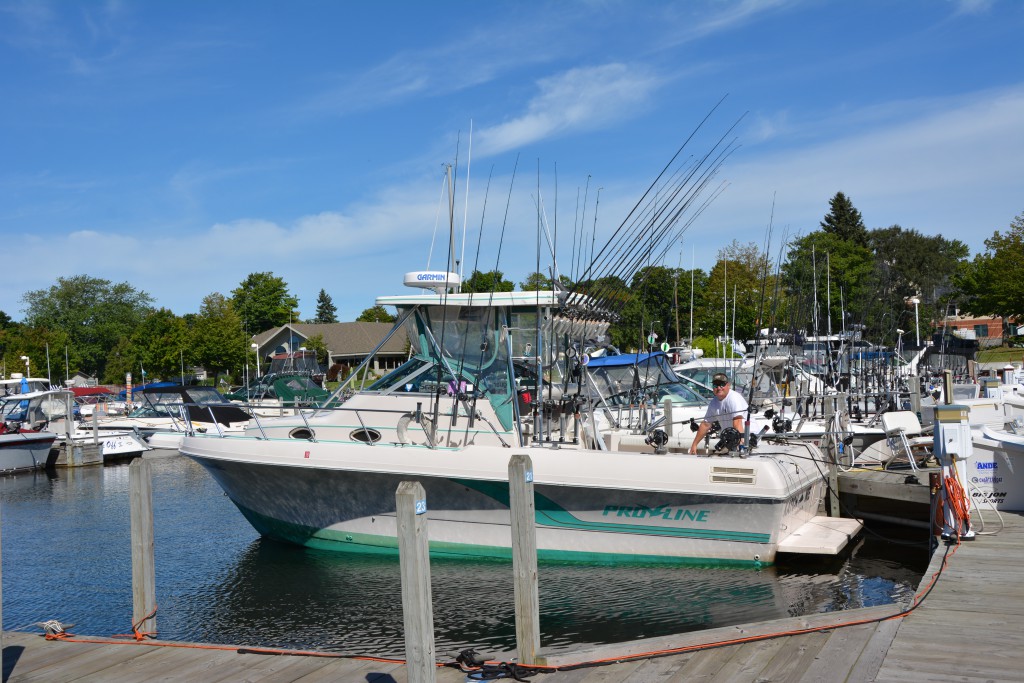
(49, 410)
(453, 415)
(24, 449)
(163, 411)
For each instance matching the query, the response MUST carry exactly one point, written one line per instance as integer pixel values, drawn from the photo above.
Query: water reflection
(67, 555)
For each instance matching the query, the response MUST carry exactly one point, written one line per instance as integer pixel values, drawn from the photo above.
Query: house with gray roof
(347, 343)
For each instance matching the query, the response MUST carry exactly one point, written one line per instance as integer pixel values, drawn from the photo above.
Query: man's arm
(702, 430)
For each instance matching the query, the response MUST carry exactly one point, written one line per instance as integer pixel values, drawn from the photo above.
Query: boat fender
(403, 427)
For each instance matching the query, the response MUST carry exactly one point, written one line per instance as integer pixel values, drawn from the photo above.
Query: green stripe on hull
(549, 513)
(339, 541)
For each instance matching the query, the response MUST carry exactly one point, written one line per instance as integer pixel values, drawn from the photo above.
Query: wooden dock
(970, 627)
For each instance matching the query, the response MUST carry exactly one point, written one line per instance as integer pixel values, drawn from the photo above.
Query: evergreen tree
(326, 311)
(844, 221)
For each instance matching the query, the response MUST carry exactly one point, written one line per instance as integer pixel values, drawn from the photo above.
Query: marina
(964, 623)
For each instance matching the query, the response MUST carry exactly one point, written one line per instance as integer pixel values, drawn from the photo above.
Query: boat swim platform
(967, 625)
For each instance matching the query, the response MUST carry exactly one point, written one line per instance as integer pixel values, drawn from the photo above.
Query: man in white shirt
(728, 407)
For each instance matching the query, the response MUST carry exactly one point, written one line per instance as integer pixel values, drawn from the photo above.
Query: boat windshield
(617, 383)
(460, 349)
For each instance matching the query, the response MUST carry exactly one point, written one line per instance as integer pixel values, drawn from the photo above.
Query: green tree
(165, 344)
(316, 343)
(844, 221)
(375, 314)
(539, 281)
(732, 292)
(993, 283)
(491, 281)
(262, 302)
(841, 271)
(219, 343)
(92, 312)
(909, 264)
(326, 311)
(650, 308)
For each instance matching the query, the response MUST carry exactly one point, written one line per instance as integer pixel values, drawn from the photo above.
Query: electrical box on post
(952, 434)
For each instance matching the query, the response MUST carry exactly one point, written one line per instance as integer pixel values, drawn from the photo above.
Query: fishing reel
(715, 426)
(729, 440)
(659, 439)
(781, 425)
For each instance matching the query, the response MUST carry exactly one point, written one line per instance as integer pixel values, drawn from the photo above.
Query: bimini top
(626, 359)
(517, 299)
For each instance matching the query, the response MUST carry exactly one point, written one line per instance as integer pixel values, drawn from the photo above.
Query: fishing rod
(634, 231)
(608, 294)
(597, 261)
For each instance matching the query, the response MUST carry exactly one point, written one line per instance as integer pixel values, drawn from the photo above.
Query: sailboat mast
(725, 302)
(732, 341)
(814, 277)
(828, 290)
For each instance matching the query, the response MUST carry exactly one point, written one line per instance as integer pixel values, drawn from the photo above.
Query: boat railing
(361, 415)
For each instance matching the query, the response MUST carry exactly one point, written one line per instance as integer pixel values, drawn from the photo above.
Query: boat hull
(346, 503)
(22, 451)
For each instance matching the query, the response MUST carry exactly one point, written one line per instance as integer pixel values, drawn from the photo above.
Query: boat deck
(969, 627)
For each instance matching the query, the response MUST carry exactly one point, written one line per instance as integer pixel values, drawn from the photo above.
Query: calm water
(67, 556)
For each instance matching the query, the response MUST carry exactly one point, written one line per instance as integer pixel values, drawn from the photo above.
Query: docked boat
(277, 392)
(485, 380)
(163, 411)
(75, 444)
(22, 445)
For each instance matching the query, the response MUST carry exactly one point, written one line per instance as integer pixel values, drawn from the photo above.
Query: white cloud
(954, 168)
(581, 99)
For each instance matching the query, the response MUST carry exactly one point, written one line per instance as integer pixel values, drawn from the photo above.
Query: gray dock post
(667, 412)
(947, 387)
(143, 568)
(524, 558)
(417, 604)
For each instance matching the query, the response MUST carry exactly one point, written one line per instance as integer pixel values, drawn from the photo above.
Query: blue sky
(180, 146)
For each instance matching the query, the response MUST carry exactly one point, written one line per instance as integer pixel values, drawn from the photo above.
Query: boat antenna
(437, 218)
(465, 212)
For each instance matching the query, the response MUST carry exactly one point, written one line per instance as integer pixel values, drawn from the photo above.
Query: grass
(1000, 354)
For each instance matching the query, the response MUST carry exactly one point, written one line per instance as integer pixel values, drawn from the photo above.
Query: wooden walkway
(969, 628)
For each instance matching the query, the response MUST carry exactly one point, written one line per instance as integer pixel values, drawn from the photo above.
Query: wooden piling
(524, 558)
(417, 604)
(667, 412)
(143, 567)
